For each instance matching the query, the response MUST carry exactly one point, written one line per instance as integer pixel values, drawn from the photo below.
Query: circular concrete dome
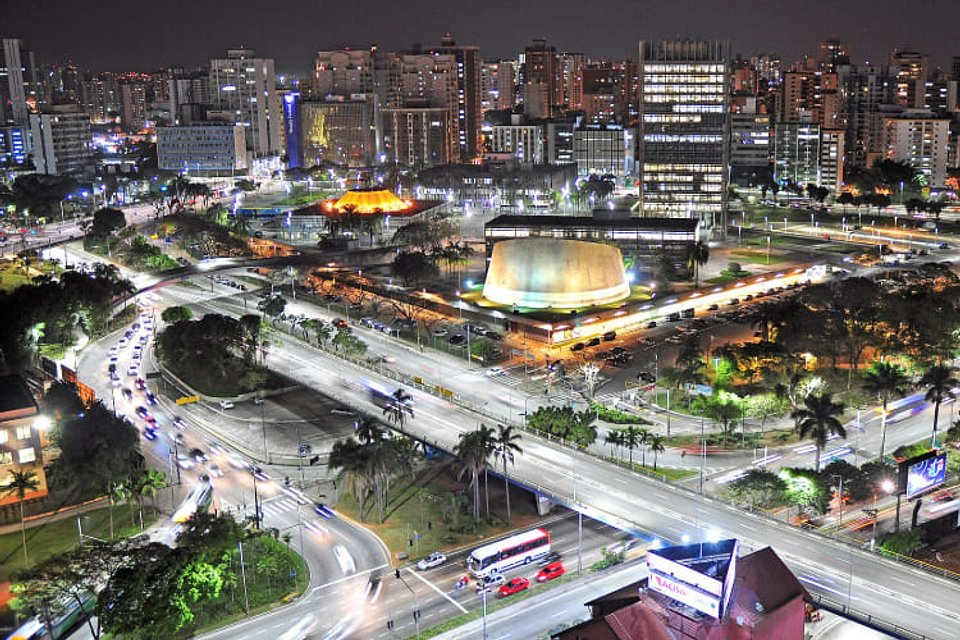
(550, 272)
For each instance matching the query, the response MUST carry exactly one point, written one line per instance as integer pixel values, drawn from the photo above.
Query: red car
(551, 571)
(516, 585)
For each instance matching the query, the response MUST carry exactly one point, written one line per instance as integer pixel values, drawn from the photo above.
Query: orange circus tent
(369, 201)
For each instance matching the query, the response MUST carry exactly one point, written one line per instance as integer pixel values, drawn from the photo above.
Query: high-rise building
(19, 82)
(133, 106)
(188, 89)
(831, 158)
(61, 140)
(920, 139)
(797, 153)
(684, 115)
(347, 72)
(867, 90)
(100, 98)
(833, 54)
(61, 84)
(245, 86)
(498, 81)
(749, 143)
(571, 80)
(521, 141)
(909, 70)
(13, 146)
(468, 108)
(420, 137)
(541, 79)
(604, 149)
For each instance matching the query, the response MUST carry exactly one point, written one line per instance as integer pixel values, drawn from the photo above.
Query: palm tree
(473, 449)
(149, 484)
(348, 457)
(506, 448)
(885, 380)
(818, 419)
(631, 440)
(398, 407)
(368, 430)
(698, 256)
(657, 446)
(20, 483)
(614, 439)
(939, 383)
(643, 438)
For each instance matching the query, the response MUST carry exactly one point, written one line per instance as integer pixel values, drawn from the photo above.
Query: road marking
(434, 587)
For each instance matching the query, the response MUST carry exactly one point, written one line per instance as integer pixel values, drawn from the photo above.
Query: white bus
(499, 556)
(198, 499)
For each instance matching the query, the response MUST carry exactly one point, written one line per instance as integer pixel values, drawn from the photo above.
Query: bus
(514, 551)
(198, 499)
(72, 614)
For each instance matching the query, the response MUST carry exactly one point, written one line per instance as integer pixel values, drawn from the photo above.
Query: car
(113, 350)
(456, 339)
(176, 436)
(713, 307)
(493, 372)
(493, 335)
(137, 355)
(226, 404)
(152, 398)
(618, 349)
(115, 380)
(323, 510)
(516, 585)
(652, 324)
(184, 462)
(387, 358)
(150, 421)
(198, 455)
(149, 434)
(440, 332)
(112, 368)
(435, 559)
(489, 582)
(122, 343)
(610, 336)
(551, 571)
(140, 384)
(579, 346)
(237, 462)
(141, 412)
(339, 323)
(747, 298)
(133, 370)
(259, 474)
(647, 377)
(734, 301)
(128, 393)
(604, 355)
(178, 422)
(214, 447)
(214, 470)
(593, 342)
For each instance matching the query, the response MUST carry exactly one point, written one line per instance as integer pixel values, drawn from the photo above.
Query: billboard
(687, 594)
(926, 473)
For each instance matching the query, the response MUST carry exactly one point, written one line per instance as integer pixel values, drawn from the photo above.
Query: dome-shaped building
(555, 273)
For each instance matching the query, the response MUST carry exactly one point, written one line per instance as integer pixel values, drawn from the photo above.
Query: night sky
(137, 35)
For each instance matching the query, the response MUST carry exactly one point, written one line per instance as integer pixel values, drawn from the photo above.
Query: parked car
(593, 342)
(435, 559)
(551, 571)
(456, 339)
(578, 347)
(516, 585)
(610, 336)
(226, 404)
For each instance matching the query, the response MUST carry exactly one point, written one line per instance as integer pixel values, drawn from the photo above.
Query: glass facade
(684, 124)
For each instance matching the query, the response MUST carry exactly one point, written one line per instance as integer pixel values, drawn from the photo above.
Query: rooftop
(15, 396)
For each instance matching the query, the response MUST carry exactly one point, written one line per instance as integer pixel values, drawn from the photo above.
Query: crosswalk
(269, 507)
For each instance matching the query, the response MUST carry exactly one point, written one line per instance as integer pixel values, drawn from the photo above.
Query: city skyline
(291, 32)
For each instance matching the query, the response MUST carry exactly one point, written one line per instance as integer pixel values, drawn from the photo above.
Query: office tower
(61, 84)
(245, 86)
(909, 70)
(187, 89)
(522, 142)
(868, 88)
(604, 149)
(797, 152)
(133, 106)
(19, 83)
(832, 143)
(541, 79)
(347, 72)
(498, 82)
(13, 145)
(204, 148)
(421, 137)
(920, 139)
(468, 106)
(832, 55)
(61, 140)
(684, 113)
(749, 142)
(769, 68)
(341, 130)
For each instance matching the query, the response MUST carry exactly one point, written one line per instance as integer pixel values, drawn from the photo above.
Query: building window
(4, 436)
(23, 432)
(6, 457)
(27, 455)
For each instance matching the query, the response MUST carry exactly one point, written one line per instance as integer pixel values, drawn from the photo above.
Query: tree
(698, 255)
(764, 407)
(368, 430)
(818, 419)
(885, 380)
(20, 483)
(633, 438)
(759, 488)
(147, 485)
(350, 344)
(101, 436)
(845, 199)
(173, 315)
(414, 268)
(273, 306)
(657, 447)
(939, 381)
(61, 402)
(723, 409)
(506, 448)
(106, 221)
(398, 407)
(353, 471)
(473, 449)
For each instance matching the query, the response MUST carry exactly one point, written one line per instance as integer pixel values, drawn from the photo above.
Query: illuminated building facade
(340, 131)
(420, 137)
(61, 141)
(205, 148)
(246, 87)
(467, 108)
(21, 442)
(684, 123)
(921, 140)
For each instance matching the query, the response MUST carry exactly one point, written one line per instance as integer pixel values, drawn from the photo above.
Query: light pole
(263, 428)
(840, 497)
(256, 499)
(573, 475)
(703, 453)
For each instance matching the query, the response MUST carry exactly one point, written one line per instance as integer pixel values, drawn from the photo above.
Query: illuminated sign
(659, 564)
(688, 595)
(926, 474)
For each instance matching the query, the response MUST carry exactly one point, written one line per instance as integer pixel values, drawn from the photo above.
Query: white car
(133, 370)
(494, 372)
(185, 462)
(489, 582)
(435, 559)
(226, 404)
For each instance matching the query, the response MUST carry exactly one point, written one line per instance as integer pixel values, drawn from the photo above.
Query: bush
(904, 543)
(608, 559)
(615, 416)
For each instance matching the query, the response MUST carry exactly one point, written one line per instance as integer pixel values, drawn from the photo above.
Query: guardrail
(864, 618)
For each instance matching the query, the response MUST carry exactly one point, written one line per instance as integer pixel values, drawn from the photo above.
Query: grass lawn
(301, 199)
(757, 257)
(12, 275)
(61, 535)
(440, 512)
